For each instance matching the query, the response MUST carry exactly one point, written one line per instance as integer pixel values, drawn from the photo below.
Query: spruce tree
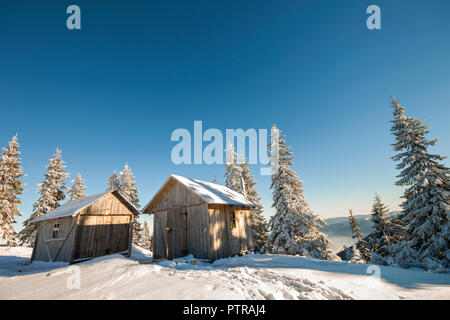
(361, 244)
(386, 232)
(127, 186)
(146, 239)
(294, 229)
(371, 242)
(10, 189)
(259, 223)
(233, 172)
(356, 255)
(52, 192)
(238, 177)
(113, 182)
(427, 194)
(137, 231)
(78, 188)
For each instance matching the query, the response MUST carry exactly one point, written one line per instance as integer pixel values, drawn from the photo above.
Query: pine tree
(386, 232)
(294, 229)
(233, 172)
(372, 245)
(356, 255)
(146, 239)
(52, 192)
(127, 186)
(427, 195)
(259, 223)
(137, 231)
(238, 178)
(361, 243)
(78, 188)
(113, 182)
(10, 189)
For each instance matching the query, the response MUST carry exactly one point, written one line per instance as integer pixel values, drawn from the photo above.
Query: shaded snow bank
(253, 276)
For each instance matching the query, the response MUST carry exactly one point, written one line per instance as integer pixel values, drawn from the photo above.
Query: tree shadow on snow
(407, 278)
(11, 266)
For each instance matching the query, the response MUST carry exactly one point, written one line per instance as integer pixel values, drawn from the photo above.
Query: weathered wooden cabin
(85, 228)
(207, 220)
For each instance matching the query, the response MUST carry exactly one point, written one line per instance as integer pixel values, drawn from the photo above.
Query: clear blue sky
(114, 91)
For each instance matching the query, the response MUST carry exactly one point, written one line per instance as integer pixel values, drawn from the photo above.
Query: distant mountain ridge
(339, 233)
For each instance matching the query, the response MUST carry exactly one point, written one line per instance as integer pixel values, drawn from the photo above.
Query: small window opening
(55, 230)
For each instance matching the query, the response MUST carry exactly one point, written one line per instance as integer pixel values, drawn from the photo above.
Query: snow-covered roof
(72, 207)
(211, 193)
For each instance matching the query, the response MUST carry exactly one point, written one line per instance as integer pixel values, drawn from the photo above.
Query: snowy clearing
(253, 276)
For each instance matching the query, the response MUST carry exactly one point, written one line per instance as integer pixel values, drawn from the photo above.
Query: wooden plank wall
(220, 232)
(101, 235)
(245, 235)
(248, 229)
(241, 237)
(208, 227)
(159, 235)
(176, 195)
(108, 205)
(103, 228)
(60, 249)
(198, 238)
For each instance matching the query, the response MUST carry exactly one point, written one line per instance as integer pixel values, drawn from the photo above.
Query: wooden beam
(35, 244)
(75, 239)
(176, 207)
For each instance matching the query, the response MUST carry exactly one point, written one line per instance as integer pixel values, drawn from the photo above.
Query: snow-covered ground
(253, 276)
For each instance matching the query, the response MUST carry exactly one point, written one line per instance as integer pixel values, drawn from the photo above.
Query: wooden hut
(85, 228)
(207, 220)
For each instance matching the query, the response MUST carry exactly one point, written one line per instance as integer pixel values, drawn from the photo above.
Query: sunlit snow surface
(252, 276)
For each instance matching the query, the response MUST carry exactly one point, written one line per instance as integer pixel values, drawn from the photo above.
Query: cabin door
(177, 232)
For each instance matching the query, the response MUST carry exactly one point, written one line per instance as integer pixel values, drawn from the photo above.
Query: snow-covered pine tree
(401, 129)
(127, 186)
(427, 195)
(52, 191)
(361, 243)
(137, 231)
(146, 239)
(78, 188)
(259, 223)
(386, 232)
(10, 189)
(294, 229)
(354, 226)
(371, 242)
(113, 182)
(356, 255)
(233, 172)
